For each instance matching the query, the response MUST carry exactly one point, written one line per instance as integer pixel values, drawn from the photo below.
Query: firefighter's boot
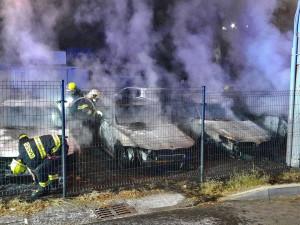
(54, 185)
(41, 191)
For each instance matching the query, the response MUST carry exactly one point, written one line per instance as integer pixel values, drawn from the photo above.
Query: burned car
(137, 133)
(35, 117)
(238, 136)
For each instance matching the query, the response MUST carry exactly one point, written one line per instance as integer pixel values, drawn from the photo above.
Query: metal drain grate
(114, 211)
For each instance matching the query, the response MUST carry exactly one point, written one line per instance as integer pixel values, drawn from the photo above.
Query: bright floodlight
(233, 26)
(224, 28)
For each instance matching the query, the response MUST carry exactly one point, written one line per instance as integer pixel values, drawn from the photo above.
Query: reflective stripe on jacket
(33, 151)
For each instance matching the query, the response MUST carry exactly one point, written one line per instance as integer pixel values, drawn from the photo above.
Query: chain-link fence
(136, 135)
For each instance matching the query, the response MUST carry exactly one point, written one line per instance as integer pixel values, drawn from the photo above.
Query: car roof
(28, 102)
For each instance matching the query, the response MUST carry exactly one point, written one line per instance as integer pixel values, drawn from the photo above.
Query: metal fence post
(292, 154)
(202, 134)
(63, 137)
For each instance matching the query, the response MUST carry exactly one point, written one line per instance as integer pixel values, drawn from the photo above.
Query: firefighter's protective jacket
(32, 151)
(82, 108)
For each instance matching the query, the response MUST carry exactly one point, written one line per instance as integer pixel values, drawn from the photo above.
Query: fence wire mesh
(25, 108)
(138, 135)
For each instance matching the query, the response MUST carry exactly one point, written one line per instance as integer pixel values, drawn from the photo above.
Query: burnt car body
(238, 136)
(35, 117)
(260, 108)
(276, 125)
(136, 132)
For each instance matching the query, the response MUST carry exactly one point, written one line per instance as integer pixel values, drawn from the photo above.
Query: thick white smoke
(265, 51)
(28, 31)
(193, 32)
(129, 37)
(28, 37)
(256, 56)
(257, 52)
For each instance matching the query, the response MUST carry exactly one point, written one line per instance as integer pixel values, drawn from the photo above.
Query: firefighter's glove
(99, 117)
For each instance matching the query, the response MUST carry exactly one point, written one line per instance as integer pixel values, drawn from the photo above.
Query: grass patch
(213, 189)
(21, 207)
(245, 180)
(289, 177)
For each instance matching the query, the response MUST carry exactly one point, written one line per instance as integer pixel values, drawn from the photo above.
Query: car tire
(126, 156)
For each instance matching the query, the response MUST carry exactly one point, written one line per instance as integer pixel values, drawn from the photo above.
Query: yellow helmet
(17, 167)
(93, 94)
(226, 88)
(23, 136)
(71, 87)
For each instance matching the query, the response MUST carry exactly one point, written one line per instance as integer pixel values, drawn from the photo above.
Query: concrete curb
(266, 192)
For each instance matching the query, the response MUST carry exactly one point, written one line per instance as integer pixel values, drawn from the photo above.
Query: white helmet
(93, 94)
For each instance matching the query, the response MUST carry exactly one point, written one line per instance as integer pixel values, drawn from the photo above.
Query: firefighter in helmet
(82, 116)
(78, 106)
(42, 156)
(94, 95)
(74, 90)
(72, 93)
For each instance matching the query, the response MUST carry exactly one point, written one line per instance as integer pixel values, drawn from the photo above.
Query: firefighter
(82, 116)
(74, 91)
(79, 107)
(94, 95)
(42, 155)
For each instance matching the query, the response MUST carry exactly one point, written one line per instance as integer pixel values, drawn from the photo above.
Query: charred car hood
(240, 131)
(156, 136)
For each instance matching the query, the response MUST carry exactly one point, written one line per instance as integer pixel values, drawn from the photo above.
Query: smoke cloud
(27, 32)
(157, 43)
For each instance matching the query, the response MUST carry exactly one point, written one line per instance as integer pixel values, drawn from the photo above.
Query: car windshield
(129, 93)
(213, 111)
(138, 114)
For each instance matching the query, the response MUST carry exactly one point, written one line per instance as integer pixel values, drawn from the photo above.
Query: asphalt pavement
(278, 204)
(283, 211)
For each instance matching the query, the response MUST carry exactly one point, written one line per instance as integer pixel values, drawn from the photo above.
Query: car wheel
(121, 156)
(126, 156)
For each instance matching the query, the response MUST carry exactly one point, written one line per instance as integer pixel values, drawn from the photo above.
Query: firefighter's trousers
(47, 172)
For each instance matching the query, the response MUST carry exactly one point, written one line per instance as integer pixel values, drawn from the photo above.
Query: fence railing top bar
(252, 93)
(30, 81)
